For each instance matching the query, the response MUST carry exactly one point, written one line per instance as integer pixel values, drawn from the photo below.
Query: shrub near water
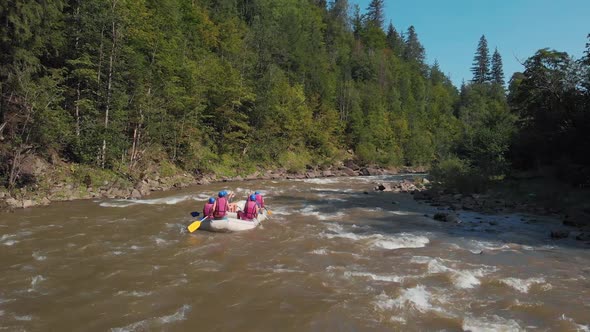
(457, 174)
(294, 162)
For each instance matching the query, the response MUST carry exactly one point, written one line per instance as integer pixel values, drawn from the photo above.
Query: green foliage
(481, 62)
(167, 169)
(86, 176)
(295, 161)
(458, 175)
(497, 71)
(229, 86)
(553, 110)
(488, 128)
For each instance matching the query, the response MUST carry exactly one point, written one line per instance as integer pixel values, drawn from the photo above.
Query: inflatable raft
(231, 223)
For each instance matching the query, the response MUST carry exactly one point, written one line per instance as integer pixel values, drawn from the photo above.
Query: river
(330, 258)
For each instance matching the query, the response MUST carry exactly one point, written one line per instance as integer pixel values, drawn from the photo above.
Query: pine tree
(586, 62)
(375, 13)
(481, 62)
(414, 51)
(394, 40)
(357, 21)
(497, 74)
(436, 75)
(339, 11)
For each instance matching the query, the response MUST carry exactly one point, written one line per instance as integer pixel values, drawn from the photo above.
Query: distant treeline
(213, 85)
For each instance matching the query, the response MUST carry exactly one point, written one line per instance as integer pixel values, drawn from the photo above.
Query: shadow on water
(394, 213)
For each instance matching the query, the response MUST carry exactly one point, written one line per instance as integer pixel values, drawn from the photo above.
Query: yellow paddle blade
(195, 225)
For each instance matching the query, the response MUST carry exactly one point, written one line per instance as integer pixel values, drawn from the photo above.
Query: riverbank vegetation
(232, 86)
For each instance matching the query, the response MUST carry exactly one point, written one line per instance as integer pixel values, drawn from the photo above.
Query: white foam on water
(334, 227)
(37, 256)
(524, 285)
(280, 211)
(117, 253)
(402, 213)
(578, 327)
(405, 241)
(177, 316)
(391, 242)
(332, 190)
(331, 216)
(123, 203)
(7, 236)
(420, 259)
(160, 241)
(492, 246)
(2, 301)
(137, 326)
(376, 277)
(1, 312)
(281, 270)
(148, 324)
(321, 180)
(490, 324)
(24, 318)
(134, 293)
(310, 210)
(319, 251)
(36, 280)
(417, 298)
(8, 239)
(172, 200)
(460, 278)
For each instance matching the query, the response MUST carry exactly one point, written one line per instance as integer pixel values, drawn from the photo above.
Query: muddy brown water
(330, 258)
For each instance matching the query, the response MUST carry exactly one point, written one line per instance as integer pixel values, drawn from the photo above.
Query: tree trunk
(78, 86)
(109, 83)
(78, 110)
(137, 136)
(100, 57)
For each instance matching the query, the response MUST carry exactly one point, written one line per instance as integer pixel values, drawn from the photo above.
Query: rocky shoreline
(451, 205)
(119, 189)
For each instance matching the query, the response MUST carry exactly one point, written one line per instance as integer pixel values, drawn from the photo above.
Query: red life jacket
(208, 209)
(260, 200)
(250, 211)
(221, 208)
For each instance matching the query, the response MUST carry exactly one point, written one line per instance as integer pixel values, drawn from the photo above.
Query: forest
(236, 85)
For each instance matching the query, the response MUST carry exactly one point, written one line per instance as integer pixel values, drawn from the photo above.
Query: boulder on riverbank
(403, 186)
(559, 234)
(447, 217)
(577, 217)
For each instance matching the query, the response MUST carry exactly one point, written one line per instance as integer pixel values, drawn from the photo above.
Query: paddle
(195, 225)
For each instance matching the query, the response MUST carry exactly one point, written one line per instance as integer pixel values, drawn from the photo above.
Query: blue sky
(450, 30)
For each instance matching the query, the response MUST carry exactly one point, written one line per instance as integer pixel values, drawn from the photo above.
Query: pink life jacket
(250, 211)
(260, 200)
(221, 208)
(208, 209)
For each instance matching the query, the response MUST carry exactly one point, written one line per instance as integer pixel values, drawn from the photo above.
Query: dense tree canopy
(214, 82)
(295, 84)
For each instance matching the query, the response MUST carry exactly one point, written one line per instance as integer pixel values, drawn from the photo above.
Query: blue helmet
(211, 200)
(257, 193)
(253, 197)
(222, 193)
